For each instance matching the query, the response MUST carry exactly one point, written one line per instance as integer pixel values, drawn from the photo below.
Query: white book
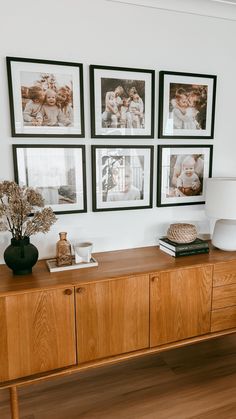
(167, 250)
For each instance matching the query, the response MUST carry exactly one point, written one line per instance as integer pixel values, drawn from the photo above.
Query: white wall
(110, 33)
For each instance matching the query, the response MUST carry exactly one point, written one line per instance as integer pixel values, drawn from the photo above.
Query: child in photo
(32, 112)
(113, 101)
(129, 193)
(63, 101)
(184, 110)
(180, 105)
(188, 182)
(50, 112)
(136, 111)
(137, 104)
(124, 113)
(192, 111)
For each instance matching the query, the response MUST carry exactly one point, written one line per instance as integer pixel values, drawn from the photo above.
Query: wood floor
(197, 382)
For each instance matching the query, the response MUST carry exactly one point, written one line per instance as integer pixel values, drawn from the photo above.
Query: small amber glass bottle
(64, 256)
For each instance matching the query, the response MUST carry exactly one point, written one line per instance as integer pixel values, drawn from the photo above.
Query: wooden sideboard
(136, 302)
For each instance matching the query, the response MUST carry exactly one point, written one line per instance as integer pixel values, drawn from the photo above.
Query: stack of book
(196, 247)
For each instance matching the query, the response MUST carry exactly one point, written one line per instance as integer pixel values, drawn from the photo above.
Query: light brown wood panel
(112, 317)
(180, 304)
(224, 318)
(112, 360)
(111, 265)
(224, 296)
(38, 333)
(4, 361)
(224, 273)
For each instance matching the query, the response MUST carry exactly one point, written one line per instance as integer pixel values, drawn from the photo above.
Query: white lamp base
(224, 235)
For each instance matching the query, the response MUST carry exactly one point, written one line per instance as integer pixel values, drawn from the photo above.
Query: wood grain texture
(111, 265)
(117, 359)
(38, 333)
(37, 312)
(195, 382)
(224, 273)
(180, 304)
(112, 317)
(113, 268)
(14, 403)
(224, 296)
(4, 356)
(224, 318)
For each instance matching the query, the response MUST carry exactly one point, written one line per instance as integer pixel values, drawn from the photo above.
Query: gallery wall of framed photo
(47, 101)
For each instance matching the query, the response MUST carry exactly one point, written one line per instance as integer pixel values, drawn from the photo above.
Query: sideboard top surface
(113, 264)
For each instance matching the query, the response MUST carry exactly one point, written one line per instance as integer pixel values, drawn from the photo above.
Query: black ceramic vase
(21, 256)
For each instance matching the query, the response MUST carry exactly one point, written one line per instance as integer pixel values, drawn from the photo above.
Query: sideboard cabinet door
(37, 332)
(180, 304)
(112, 317)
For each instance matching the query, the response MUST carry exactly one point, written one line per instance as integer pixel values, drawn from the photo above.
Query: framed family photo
(46, 98)
(57, 172)
(122, 177)
(182, 174)
(186, 105)
(122, 102)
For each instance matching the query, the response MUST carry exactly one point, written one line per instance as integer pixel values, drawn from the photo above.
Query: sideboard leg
(14, 403)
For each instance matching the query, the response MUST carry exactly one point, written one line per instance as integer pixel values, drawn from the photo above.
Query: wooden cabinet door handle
(68, 291)
(154, 278)
(80, 290)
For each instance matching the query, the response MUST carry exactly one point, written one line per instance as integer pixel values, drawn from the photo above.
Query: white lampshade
(221, 198)
(221, 204)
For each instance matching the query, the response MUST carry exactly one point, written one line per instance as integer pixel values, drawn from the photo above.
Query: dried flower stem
(11, 228)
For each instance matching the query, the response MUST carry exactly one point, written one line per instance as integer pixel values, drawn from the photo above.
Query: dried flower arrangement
(16, 205)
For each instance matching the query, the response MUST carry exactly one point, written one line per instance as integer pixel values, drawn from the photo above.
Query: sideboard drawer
(224, 273)
(223, 319)
(224, 296)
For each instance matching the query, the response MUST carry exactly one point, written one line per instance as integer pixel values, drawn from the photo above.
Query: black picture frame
(129, 94)
(181, 174)
(58, 172)
(122, 177)
(46, 98)
(186, 105)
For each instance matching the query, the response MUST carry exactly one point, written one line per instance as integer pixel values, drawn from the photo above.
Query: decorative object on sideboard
(83, 252)
(63, 251)
(182, 233)
(196, 247)
(52, 265)
(70, 257)
(221, 205)
(21, 256)
(16, 206)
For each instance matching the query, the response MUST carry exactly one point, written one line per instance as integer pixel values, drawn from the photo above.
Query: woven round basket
(182, 233)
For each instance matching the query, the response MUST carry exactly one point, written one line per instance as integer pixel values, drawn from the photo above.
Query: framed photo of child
(56, 171)
(186, 105)
(182, 174)
(122, 102)
(122, 177)
(46, 98)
